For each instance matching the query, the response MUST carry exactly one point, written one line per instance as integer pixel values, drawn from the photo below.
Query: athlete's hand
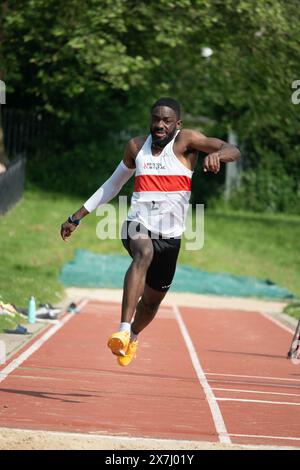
(66, 230)
(212, 162)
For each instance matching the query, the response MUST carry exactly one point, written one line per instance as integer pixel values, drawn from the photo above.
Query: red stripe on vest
(162, 183)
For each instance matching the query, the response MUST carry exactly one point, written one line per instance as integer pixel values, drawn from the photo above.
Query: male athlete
(163, 164)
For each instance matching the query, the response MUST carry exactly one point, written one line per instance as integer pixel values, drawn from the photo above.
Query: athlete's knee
(143, 256)
(150, 307)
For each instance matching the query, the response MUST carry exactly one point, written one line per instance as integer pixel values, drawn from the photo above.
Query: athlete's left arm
(218, 150)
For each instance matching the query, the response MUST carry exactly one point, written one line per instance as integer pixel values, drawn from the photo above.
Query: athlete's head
(165, 120)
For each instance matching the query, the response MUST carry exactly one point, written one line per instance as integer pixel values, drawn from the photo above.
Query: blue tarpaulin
(107, 271)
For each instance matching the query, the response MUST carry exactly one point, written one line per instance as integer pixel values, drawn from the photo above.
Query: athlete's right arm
(107, 191)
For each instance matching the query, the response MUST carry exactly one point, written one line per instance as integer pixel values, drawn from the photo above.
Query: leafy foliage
(98, 65)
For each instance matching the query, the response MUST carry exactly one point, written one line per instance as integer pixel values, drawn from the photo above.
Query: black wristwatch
(71, 220)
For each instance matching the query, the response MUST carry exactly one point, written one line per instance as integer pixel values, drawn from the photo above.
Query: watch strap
(71, 220)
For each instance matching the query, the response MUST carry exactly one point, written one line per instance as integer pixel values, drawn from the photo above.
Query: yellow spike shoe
(119, 342)
(130, 354)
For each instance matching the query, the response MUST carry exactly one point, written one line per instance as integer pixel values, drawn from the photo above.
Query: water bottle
(31, 310)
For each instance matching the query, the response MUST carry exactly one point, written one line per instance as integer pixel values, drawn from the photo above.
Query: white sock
(133, 336)
(124, 326)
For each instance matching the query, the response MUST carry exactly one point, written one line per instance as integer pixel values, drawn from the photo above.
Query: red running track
(200, 374)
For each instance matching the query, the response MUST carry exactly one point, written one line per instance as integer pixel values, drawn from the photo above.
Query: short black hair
(170, 103)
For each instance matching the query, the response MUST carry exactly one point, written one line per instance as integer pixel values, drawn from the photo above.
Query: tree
(88, 62)
(3, 156)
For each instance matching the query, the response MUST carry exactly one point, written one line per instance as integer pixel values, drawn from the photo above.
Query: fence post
(2, 92)
(232, 169)
(12, 183)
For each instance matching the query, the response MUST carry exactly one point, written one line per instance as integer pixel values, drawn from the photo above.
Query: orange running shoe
(130, 354)
(118, 343)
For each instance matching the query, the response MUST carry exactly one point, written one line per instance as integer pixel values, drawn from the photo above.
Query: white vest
(162, 190)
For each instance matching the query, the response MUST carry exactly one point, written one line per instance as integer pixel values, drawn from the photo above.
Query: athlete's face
(164, 124)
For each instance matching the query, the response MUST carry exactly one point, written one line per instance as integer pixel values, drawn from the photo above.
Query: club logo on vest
(153, 166)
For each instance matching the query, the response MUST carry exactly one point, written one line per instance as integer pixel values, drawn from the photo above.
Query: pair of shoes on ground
(44, 311)
(119, 343)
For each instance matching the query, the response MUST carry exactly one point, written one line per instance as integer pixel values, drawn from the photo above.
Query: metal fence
(21, 129)
(12, 183)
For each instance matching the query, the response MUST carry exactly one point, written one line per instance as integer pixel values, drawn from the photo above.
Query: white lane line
(256, 384)
(255, 391)
(252, 376)
(214, 408)
(36, 345)
(259, 401)
(278, 323)
(256, 436)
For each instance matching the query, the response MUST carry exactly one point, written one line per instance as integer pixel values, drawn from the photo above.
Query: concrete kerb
(14, 342)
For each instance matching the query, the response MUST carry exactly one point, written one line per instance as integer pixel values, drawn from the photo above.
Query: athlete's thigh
(135, 239)
(161, 271)
(142, 245)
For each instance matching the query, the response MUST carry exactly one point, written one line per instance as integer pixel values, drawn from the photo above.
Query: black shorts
(165, 253)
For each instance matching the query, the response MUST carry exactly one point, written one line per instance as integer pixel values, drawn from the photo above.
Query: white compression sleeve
(110, 188)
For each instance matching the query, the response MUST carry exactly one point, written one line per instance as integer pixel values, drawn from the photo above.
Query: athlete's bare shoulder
(136, 143)
(183, 149)
(187, 136)
(132, 148)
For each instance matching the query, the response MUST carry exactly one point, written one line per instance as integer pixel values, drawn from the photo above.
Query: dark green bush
(267, 190)
(79, 171)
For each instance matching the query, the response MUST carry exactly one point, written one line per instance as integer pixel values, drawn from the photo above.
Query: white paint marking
(278, 323)
(37, 344)
(214, 408)
(252, 376)
(266, 437)
(255, 391)
(259, 401)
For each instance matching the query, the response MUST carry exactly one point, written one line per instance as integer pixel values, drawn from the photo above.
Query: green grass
(293, 309)
(8, 322)
(262, 245)
(32, 252)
